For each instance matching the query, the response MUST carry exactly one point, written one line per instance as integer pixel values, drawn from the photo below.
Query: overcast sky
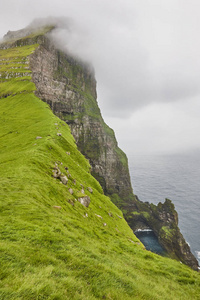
(146, 55)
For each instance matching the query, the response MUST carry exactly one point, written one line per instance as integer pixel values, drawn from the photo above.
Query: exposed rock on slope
(69, 87)
(163, 219)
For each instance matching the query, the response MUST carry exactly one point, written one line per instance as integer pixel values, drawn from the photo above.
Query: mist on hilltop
(146, 60)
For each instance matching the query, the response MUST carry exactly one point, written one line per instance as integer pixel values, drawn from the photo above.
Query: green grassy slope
(51, 246)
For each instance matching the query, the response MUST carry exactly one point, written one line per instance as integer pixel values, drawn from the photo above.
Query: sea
(176, 177)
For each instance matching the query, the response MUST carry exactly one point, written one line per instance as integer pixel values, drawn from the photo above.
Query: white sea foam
(143, 230)
(197, 254)
(198, 257)
(188, 243)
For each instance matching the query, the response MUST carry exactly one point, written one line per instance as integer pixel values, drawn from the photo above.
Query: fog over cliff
(147, 63)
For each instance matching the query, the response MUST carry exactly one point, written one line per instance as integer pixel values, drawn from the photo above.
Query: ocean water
(150, 241)
(176, 177)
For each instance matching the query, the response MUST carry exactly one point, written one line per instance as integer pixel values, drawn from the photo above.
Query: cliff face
(69, 87)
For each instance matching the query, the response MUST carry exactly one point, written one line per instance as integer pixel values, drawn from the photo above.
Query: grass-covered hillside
(51, 245)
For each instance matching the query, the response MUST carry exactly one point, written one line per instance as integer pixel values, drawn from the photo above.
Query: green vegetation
(53, 247)
(108, 130)
(91, 107)
(32, 34)
(165, 232)
(14, 73)
(17, 54)
(122, 157)
(40, 32)
(74, 71)
(135, 213)
(145, 214)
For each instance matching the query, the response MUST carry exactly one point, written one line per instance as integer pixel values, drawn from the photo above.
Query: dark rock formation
(163, 220)
(69, 87)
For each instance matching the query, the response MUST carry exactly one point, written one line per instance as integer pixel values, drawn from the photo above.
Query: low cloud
(145, 53)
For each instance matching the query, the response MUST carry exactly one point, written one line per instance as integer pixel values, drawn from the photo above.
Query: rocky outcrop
(163, 220)
(69, 87)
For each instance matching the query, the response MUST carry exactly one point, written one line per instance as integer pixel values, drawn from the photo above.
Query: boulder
(71, 191)
(64, 179)
(84, 201)
(90, 189)
(56, 173)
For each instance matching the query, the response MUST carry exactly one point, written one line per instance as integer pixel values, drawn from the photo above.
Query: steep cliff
(69, 87)
(52, 246)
